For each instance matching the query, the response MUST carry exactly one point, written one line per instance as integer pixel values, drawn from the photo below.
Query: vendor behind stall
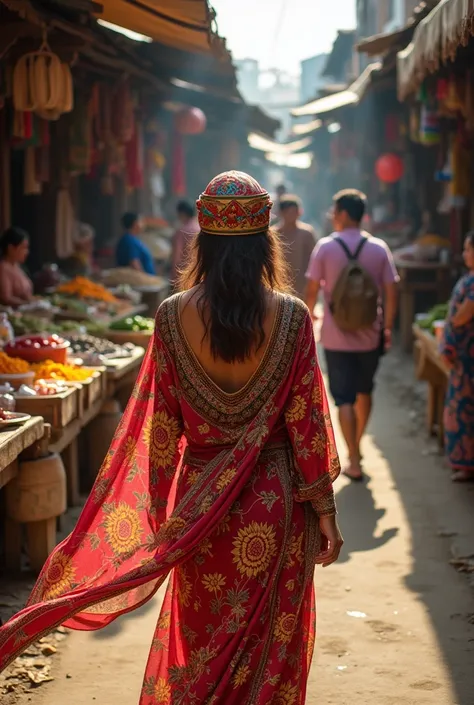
(188, 228)
(131, 251)
(80, 263)
(15, 287)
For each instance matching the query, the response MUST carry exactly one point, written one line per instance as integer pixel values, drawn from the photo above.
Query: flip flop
(353, 478)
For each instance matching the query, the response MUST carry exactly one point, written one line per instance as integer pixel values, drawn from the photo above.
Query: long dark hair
(235, 273)
(13, 237)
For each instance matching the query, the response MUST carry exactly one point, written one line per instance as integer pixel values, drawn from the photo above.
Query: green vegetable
(134, 324)
(437, 313)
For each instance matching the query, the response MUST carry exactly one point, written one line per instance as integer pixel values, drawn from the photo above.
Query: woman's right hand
(332, 541)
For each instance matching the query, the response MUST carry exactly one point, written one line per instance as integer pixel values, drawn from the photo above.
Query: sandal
(462, 476)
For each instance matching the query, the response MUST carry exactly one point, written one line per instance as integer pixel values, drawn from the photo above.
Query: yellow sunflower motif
(318, 445)
(254, 548)
(205, 548)
(317, 395)
(59, 576)
(226, 478)
(214, 582)
(241, 676)
(164, 621)
(295, 550)
(285, 627)
(162, 692)
(290, 585)
(184, 587)
(123, 529)
(297, 409)
(161, 434)
(204, 429)
(287, 695)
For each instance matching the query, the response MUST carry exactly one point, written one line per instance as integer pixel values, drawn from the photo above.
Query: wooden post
(71, 465)
(41, 541)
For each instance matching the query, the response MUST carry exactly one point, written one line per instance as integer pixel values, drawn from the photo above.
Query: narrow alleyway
(396, 621)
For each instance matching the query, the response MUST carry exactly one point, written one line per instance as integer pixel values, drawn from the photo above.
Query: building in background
(312, 80)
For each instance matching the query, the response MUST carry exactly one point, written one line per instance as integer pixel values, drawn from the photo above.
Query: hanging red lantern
(389, 168)
(190, 121)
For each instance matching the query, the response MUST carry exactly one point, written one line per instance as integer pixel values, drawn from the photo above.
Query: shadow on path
(360, 535)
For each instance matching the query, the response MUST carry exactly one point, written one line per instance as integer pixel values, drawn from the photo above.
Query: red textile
(249, 470)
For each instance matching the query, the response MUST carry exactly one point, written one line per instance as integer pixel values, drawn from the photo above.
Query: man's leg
(367, 365)
(342, 384)
(363, 409)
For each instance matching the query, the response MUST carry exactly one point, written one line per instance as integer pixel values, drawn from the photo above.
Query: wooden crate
(56, 409)
(94, 388)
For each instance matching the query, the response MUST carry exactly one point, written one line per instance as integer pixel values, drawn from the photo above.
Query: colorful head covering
(234, 203)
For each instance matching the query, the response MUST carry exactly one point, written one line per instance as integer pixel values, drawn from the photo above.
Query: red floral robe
(221, 490)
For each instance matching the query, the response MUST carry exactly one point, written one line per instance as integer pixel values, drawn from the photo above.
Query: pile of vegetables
(437, 313)
(12, 365)
(24, 324)
(86, 289)
(54, 370)
(83, 343)
(135, 324)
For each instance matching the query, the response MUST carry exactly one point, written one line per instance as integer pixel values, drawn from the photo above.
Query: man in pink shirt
(352, 358)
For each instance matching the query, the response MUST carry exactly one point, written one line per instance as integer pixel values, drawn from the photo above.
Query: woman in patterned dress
(458, 353)
(220, 475)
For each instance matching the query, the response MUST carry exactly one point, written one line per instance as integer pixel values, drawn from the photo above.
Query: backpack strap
(353, 257)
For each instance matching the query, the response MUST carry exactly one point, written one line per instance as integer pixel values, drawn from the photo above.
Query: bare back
(229, 377)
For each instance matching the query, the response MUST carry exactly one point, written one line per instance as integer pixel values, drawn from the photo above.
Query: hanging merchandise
(65, 224)
(31, 187)
(80, 138)
(389, 168)
(42, 84)
(453, 101)
(22, 126)
(134, 154)
(430, 131)
(123, 113)
(414, 124)
(442, 89)
(190, 121)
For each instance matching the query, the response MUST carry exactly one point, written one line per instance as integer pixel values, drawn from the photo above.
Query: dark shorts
(351, 373)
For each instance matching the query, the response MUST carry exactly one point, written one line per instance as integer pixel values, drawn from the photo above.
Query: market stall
(431, 369)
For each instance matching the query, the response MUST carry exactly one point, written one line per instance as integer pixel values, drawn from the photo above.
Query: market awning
(379, 44)
(350, 96)
(307, 128)
(263, 144)
(294, 161)
(184, 24)
(436, 39)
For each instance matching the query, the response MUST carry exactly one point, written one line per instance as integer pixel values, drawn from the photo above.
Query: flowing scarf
(130, 534)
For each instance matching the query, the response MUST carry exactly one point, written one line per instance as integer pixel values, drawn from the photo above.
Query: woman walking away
(458, 353)
(220, 473)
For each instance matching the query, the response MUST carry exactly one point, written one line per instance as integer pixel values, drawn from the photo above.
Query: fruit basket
(37, 348)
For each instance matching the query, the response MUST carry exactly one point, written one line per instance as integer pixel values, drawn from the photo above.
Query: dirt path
(395, 619)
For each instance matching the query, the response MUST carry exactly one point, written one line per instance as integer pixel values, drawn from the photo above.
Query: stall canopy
(263, 144)
(184, 24)
(435, 40)
(351, 96)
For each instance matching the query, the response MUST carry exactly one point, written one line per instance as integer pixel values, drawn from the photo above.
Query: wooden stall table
(431, 368)
(122, 376)
(24, 442)
(417, 277)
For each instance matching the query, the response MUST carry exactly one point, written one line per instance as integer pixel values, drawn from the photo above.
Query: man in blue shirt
(131, 252)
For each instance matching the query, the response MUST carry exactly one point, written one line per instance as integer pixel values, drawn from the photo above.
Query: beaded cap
(234, 203)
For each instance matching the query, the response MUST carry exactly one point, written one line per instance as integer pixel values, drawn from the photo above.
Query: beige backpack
(355, 298)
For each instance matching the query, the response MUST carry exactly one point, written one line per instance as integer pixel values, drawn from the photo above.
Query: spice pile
(86, 289)
(12, 365)
(54, 370)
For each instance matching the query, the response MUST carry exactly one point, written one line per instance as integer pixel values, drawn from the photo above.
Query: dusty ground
(396, 620)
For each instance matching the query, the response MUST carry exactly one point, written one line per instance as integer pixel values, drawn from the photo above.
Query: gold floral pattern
(286, 695)
(241, 676)
(59, 576)
(214, 582)
(162, 692)
(123, 529)
(226, 478)
(161, 435)
(297, 409)
(285, 628)
(254, 548)
(185, 587)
